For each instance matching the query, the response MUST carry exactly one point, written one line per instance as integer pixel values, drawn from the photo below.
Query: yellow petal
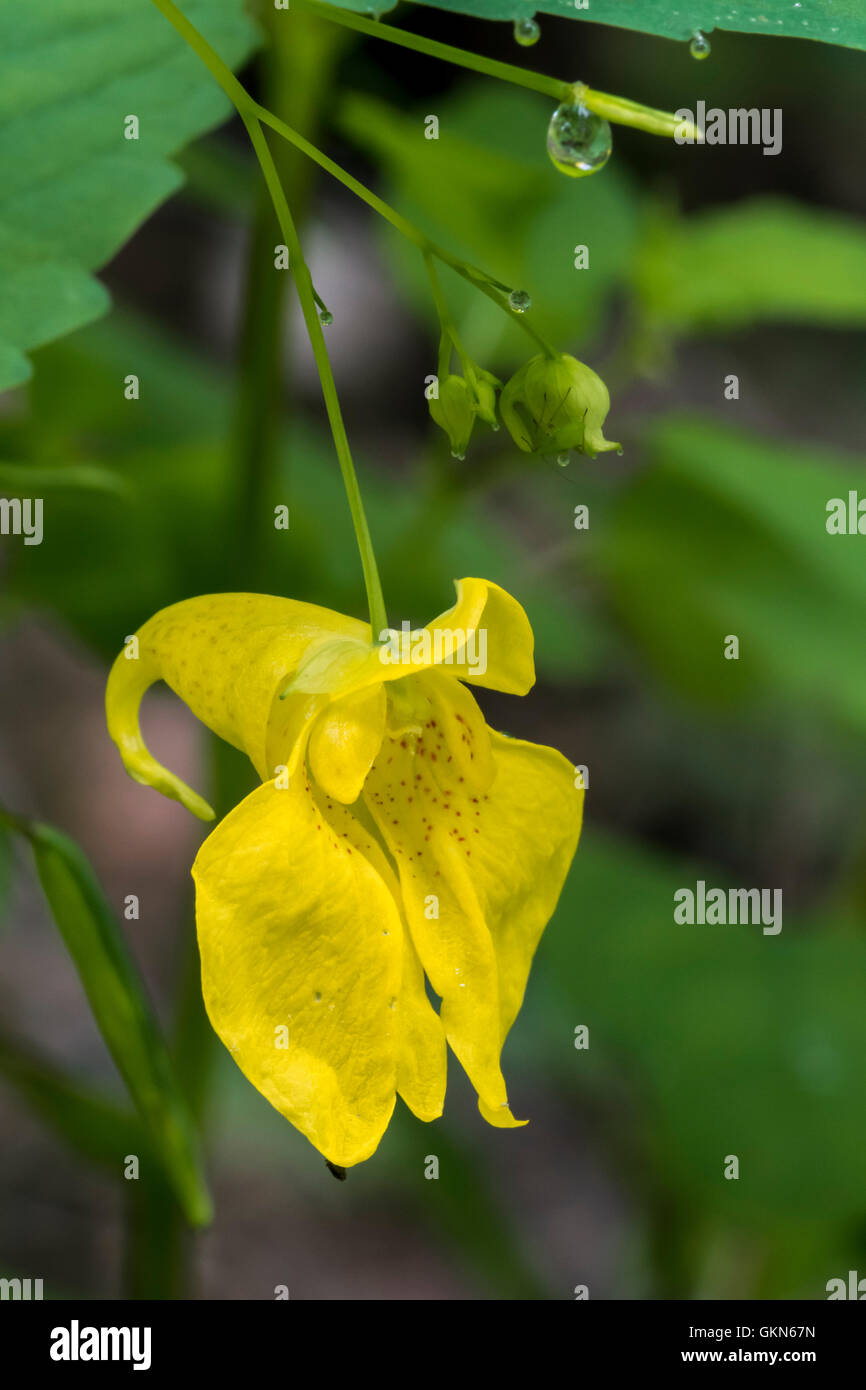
(480, 876)
(422, 1058)
(455, 738)
(508, 643)
(129, 679)
(226, 656)
(485, 639)
(530, 825)
(298, 931)
(345, 741)
(420, 1044)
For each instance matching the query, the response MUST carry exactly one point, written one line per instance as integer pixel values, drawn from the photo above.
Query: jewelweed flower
(394, 834)
(556, 404)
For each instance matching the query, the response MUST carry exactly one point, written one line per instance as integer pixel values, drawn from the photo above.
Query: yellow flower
(394, 834)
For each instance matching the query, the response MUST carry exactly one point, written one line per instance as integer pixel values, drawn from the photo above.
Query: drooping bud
(485, 386)
(454, 411)
(461, 400)
(554, 404)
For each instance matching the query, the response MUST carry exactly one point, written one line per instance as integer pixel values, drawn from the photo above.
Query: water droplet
(519, 301)
(700, 45)
(326, 318)
(526, 32)
(563, 460)
(578, 141)
(455, 455)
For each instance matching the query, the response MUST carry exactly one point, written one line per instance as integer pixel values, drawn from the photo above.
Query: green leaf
(714, 270)
(724, 534)
(26, 480)
(73, 188)
(738, 1043)
(830, 21)
(120, 1007)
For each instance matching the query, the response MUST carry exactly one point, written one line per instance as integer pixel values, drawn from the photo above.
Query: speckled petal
(298, 931)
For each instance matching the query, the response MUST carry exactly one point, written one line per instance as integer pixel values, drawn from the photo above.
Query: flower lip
(258, 670)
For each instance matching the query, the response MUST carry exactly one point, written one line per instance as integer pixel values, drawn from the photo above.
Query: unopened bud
(554, 404)
(454, 412)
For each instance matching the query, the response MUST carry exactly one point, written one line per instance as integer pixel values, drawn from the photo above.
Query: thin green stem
(246, 107)
(257, 407)
(157, 1256)
(306, 295)
(618, 109)
(622, 111)
(488, 67)
(477, 277)
(449, 330)
(248, 112)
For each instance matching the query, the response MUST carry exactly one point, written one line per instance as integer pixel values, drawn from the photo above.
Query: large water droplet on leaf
(578, 141)
(526, 32)
(700, 45)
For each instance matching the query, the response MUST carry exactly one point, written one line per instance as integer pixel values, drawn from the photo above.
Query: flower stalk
(248, 112)
(477, 277)
(620, 110)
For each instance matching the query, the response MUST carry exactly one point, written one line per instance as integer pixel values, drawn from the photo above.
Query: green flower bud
(454, 411)
(555, 404)
(485, 398)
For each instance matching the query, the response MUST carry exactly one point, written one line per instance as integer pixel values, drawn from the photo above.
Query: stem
(489, 67)
(477, 277)
(306, 295)
(257, 405)
(157, 1254)
(248, 112)
(296, 72)
(449, 332)
(622, 111)
(618, 109)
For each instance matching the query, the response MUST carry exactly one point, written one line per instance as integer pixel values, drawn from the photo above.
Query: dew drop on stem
(578, 141)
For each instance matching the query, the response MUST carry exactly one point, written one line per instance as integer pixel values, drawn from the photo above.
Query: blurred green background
(704, 1041)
